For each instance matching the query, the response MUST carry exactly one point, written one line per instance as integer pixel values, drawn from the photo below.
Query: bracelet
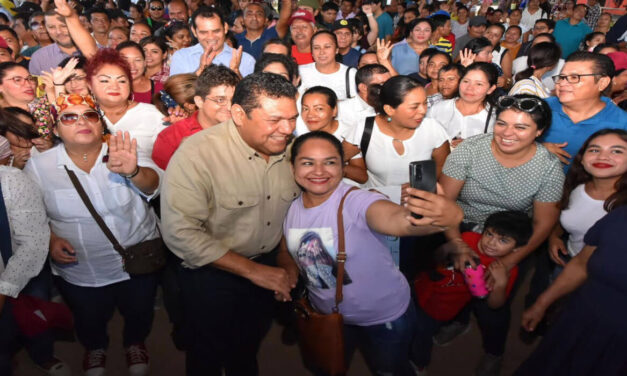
(132, 175)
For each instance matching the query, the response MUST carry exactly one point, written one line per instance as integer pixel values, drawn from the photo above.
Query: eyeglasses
(35, 25)
(220, 101)
(20, 80)
(70, 118)
(523, 104)
(572, 78)
(156, 8)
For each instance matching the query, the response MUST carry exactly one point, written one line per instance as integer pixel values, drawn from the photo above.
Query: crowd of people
(212, 142)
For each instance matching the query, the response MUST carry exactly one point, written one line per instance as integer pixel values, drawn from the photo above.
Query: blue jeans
(93, 307)
(386, 347)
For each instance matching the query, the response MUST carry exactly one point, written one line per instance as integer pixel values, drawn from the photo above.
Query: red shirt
(146, 97)
(301, 58)
(170, 138)
(451, 38)
(472, 239)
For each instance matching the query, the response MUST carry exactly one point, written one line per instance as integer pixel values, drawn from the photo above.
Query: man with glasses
(156, 11)
(542, 26)
(580, 107)
(36, 25)
(49, 57)
(213, 94)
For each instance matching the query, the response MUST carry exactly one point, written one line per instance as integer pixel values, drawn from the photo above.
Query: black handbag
(142, 258)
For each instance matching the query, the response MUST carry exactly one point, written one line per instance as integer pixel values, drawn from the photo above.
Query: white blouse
(30, 234)
(121, 205)
(457, 125)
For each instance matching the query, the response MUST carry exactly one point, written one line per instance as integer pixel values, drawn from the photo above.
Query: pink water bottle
(474, 280)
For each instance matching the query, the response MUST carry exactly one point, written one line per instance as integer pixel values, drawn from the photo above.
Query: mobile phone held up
(422, 176)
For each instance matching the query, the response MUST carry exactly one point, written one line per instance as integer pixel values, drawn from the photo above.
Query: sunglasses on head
(523, 104)
(71, 118)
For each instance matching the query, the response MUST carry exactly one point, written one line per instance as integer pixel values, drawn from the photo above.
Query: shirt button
(294, 195)
(240, 203)
(268, 197)
(268, 223)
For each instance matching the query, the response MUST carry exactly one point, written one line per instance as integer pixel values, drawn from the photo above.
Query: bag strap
(152, 89)
(341, 252)
(6, 249)
(347, 82)
(101, 223)
(365, 137)
(487, 119)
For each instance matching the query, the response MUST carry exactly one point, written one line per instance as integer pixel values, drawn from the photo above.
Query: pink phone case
(476, 283)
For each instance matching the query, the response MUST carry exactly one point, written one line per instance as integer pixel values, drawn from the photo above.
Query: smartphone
(422, 176)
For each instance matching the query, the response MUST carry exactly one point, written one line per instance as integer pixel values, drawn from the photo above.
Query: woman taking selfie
(90, 272)
(379, 322)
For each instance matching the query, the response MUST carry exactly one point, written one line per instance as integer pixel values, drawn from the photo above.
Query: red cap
(302, 14)
(619, 59)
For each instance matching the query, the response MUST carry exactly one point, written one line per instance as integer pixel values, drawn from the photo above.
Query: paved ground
(459, 358)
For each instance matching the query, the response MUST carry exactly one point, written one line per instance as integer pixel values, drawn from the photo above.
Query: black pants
(93, 308)
(226, 318)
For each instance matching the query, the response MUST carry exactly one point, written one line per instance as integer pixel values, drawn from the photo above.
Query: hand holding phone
(422, 176)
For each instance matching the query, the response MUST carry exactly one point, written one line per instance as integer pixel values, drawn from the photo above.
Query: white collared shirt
(353, 111)
(121, 205)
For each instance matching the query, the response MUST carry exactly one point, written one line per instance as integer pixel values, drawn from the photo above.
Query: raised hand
(367, 9)
(384, 50)
(236, 59)
(122, 154)
(60, 75)
(63, 8)
(466, 57)
(206, 59)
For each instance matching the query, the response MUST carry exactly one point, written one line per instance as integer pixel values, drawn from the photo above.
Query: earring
(389, 119)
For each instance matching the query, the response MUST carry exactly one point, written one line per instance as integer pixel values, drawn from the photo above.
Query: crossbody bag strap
(341, 252)
(487, 119)
(6, 249)
(365, 137)
(101, 223)
(347, 82)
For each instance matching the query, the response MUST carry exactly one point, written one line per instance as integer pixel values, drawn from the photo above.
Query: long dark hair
(578, 175)
(541, 55)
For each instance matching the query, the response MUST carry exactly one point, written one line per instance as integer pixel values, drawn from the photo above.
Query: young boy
(441, 37)
(503, 233)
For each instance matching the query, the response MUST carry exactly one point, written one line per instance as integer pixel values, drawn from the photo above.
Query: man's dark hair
(277, 41)
(603, 65)
(329, 5)
(269, 58)
(5, 17)
(156, 1)
(514, 224)
(35, 14)
(439, 20)
(214, 76)
(453, 67)
(259, 84)
(426, 54)
(364, 54)
(601, 46)
(547, 35)
(549, 23)
(207, 12)
(365, 73)
(10, 30)
(116, 13)
(93, 11)
(461, 6)
(499, 25)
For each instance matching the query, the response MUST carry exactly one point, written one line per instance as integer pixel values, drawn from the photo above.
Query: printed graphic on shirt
(314, 251)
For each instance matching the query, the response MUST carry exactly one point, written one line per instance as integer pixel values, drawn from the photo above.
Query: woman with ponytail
(542, 58)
